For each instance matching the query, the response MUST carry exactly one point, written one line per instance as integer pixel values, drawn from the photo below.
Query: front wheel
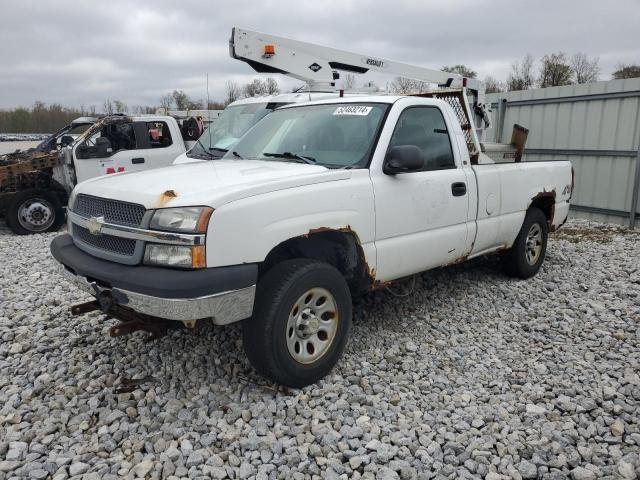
(525, 257)
(34, 211)
(300, 324)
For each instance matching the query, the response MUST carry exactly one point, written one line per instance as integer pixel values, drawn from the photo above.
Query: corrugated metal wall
(596, 126)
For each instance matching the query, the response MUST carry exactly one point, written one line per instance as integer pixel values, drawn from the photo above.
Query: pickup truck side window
(425, 128)
(110, 139)
(158, 135)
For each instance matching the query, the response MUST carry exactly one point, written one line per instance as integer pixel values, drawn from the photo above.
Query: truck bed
(507, 190)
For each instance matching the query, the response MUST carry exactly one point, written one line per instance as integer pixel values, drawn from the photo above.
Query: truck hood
(212, 183)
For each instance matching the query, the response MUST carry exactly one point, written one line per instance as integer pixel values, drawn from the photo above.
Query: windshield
(232, 123)
(334, 135)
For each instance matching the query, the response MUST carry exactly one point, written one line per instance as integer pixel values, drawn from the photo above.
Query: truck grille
(113, 211)
(108, 243)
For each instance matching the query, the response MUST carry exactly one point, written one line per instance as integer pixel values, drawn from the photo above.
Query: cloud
(77, 52)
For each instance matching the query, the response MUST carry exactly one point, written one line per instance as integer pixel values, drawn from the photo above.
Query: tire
(525, 257)
(279, 322)
(34, 211)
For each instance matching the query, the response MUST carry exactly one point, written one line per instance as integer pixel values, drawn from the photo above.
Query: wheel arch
(545, 202)
(339, 247)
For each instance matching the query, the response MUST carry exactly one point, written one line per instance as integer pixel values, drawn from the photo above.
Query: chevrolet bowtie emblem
(94, 225)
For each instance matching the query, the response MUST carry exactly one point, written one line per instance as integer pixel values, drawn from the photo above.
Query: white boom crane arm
(317, 65)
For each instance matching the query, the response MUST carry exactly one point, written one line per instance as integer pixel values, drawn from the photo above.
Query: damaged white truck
(315, 204)
(35, 184)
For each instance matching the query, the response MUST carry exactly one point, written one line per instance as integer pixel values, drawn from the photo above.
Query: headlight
(175, 256)
(182, 219)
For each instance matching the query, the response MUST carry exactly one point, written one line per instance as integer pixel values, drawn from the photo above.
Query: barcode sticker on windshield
(352, 110)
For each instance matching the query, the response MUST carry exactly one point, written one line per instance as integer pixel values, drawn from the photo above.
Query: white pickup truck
(125, 143)
(317, 203)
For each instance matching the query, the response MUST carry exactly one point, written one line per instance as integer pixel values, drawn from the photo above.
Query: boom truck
(317, 203)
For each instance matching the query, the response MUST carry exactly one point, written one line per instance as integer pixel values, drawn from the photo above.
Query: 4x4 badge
(314, 67)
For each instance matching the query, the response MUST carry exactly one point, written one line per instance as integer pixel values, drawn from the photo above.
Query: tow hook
(130, 321)
(104, 298)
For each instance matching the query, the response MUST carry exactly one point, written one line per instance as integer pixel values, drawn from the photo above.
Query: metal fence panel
(596, 126)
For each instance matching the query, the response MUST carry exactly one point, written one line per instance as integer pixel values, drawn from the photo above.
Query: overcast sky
(82, 52)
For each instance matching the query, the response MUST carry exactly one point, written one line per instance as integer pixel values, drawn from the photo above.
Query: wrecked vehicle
(317, 203)
(31, 199)
(35, 183)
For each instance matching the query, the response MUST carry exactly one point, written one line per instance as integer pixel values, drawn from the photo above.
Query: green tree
(555, 70)
(460, 70)
(181, 99)
(626, 71)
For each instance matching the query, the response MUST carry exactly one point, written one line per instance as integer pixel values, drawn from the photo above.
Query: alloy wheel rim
(312, 325)
(533, 245)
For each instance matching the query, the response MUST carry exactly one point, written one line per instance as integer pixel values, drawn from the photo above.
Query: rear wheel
(34, 211)
(300, 324)
(525, 257)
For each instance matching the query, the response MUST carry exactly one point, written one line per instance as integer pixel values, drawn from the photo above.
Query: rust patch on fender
(166, 197)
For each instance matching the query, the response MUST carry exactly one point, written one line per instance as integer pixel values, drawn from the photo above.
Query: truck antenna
(209, 122)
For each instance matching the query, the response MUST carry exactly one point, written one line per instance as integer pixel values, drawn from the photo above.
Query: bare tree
(271, 86)
(626, 71)
(107, 107)
(166, 101)
(521, 76)
(583, 69)
(555, 70)
(255, 88)
(491, 85)
(404, 86)
(349, 81)
(232, 92)
(460, 70)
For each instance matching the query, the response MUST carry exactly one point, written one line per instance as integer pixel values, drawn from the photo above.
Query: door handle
(458, 189)
(137, 160)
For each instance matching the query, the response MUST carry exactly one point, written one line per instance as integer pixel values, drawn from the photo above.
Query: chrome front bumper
(222, 308)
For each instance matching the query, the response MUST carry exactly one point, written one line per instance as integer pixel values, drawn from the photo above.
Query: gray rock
(385, 473)
(142, 468)
(78, 468)
(527, 469)
(246, 470)
(580, 473)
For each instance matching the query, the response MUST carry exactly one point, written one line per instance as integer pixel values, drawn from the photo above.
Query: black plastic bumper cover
(154, 281)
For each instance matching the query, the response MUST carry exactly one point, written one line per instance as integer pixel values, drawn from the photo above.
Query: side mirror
(403, 159)
(103, 147)
(66, 140)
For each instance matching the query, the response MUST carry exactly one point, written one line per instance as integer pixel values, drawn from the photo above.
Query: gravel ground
(472, 375)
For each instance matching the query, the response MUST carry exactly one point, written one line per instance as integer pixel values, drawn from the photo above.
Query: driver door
(421, 216)
(104, 152)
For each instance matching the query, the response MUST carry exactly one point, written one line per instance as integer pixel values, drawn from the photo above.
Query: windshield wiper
(291, 156)
(236, 154)
(224, 150)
